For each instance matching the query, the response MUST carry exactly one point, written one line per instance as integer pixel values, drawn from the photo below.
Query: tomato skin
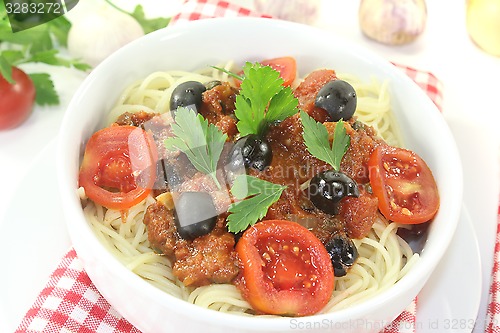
(404, 185)
(16, 100)
(308, 89)
(113, 155)
(280, 281)
(286, 66)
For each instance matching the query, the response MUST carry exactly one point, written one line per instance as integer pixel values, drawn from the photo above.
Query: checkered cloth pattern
(71, 303)
(428, 82)
(202, 9)
(493, 312)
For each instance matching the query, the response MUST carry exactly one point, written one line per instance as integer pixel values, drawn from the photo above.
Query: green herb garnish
(200, 141)
(256, 197)
(36, 45)
(148, 25)
(262, 100)
(45, 92)
(316, 139)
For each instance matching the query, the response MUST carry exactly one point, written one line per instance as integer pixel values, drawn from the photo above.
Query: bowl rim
(77, 225)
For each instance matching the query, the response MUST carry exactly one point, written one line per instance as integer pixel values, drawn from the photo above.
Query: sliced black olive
(212, 84)
(187, 94)
(327, 188)
(338, 98)
(343, 254)
(357, 125)
(250, 151)
(194, 215)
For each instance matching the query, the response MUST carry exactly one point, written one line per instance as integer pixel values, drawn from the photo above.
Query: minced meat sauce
(212, 258)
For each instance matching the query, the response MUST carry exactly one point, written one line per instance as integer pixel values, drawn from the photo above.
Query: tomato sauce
(292, 165)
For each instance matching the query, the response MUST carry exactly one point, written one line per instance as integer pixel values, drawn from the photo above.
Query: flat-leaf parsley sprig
(316, 139)
(262, 100)
(200, 141)
(256, 196)
(36, 45)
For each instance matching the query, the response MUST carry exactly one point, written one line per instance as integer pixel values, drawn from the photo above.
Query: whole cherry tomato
(16, 100)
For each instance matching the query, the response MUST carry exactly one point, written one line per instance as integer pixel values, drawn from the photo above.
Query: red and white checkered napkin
(493, 312)
(71, 303)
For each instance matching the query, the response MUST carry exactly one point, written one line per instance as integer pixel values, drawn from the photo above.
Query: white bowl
(207, 42)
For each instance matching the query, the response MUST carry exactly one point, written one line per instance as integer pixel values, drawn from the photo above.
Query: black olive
(338, 98)
(327, 188)
(194, 215)
(250, 151)
(212, 84)
(415, 235)
(187, 94)
(167, 177)
(343, 254)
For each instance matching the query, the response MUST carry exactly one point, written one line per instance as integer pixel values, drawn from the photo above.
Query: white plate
(479, 153)
(37, 240)
(449, 301)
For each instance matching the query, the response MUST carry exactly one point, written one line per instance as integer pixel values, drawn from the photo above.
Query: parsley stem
(262, 129)
(116, 7)
(216, 181)
(236, 76)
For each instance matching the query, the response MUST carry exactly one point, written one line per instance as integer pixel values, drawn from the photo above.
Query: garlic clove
(97, 35)
(392, 22)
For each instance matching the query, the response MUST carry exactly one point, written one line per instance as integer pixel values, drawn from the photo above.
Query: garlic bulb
(392, 22)
(97, 34)
(302, 11)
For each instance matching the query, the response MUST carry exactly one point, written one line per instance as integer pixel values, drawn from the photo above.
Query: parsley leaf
(316, 139)
(6, 69)
(44, 87)
(262, 100)
(50, 57)
(59, 28)
(256, 197)
(200, 141)
(148, 25)
(36, 45)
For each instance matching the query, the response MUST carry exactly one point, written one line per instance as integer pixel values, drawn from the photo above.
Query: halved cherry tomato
(285, 269)
(286, 66)
(119, 166)
(404, 185)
